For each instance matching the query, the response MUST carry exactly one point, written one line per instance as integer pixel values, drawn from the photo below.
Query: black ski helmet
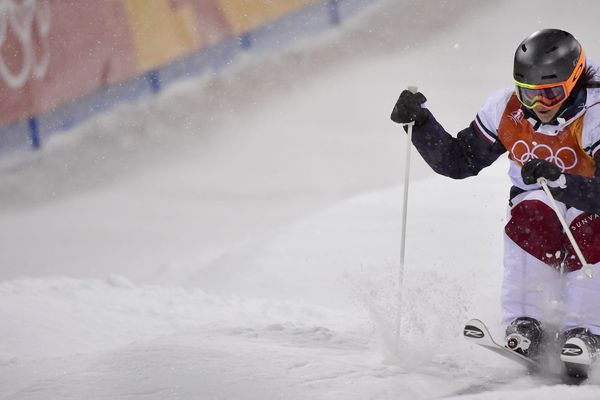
(549, 56)
(548, 66)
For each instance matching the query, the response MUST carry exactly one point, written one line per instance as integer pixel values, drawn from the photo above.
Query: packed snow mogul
(549, 123)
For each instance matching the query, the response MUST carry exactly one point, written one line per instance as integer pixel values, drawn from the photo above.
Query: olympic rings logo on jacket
(564, 157)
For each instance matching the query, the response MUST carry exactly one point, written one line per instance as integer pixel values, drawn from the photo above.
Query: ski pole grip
(412, 89)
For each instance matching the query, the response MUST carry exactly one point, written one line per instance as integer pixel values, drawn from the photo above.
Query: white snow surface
(238, 237)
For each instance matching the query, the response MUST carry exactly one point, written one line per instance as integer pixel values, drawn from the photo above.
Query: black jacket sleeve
(457, 158)
(581, 192)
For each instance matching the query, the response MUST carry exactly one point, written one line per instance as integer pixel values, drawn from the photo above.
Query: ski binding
(477, 332)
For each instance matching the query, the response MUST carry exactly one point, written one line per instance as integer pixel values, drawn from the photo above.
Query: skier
(549, 123)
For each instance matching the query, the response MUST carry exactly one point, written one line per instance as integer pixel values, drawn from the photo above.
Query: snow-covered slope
(238, 237)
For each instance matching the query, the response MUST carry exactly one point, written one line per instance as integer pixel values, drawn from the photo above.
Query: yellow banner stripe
(245, 15)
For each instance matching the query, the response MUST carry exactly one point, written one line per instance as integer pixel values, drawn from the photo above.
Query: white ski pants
(535, 247)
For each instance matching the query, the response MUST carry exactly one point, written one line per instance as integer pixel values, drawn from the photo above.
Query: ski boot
(524, 336)
(581, 348)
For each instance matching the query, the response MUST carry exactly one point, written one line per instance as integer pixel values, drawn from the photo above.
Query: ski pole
(409, 129)
(587, 269)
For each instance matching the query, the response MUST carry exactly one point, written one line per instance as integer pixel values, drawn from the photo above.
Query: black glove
(408, 108)
(537, 168)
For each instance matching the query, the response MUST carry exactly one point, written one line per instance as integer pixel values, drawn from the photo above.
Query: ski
(477, 332)
(575, 356)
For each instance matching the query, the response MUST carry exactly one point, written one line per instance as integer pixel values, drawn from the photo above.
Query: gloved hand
(408, 108)
(537, 168)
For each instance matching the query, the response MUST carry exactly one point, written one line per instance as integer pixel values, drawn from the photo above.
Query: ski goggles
(549, 95)
(546, 96)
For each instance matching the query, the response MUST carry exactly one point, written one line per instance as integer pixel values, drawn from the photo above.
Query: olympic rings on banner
(522, 152)
(21, 18)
